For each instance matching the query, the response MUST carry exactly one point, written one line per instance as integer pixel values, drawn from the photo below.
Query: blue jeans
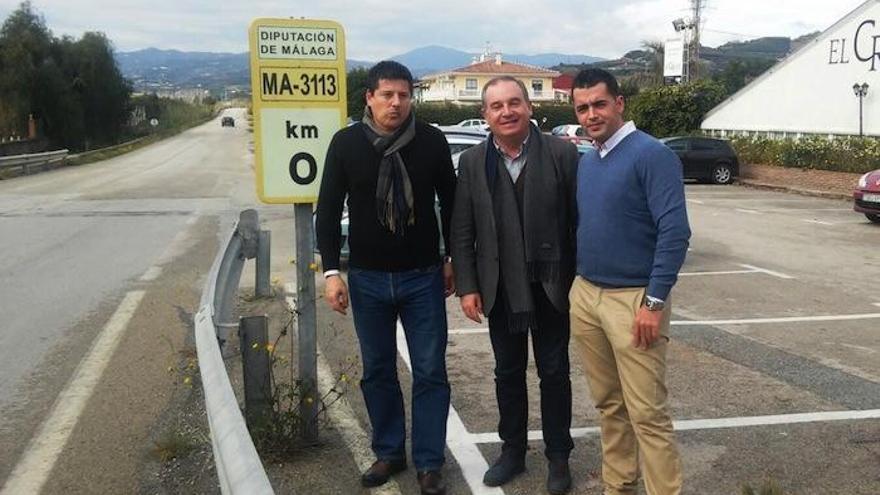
(416, 296)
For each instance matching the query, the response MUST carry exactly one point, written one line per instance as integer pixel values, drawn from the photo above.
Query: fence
(28, 162)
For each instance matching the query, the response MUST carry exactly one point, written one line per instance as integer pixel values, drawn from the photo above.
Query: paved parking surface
(774, 365)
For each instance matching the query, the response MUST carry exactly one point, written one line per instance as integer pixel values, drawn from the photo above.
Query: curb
(804, 192)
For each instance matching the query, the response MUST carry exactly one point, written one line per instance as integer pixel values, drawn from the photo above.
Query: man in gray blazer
(513, 251)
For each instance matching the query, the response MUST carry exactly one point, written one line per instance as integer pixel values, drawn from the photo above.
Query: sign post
(299, 102)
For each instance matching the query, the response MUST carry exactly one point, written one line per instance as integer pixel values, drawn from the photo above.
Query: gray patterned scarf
(394, 195)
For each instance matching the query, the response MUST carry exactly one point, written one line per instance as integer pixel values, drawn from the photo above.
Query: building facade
(812, 91)
(464, 85)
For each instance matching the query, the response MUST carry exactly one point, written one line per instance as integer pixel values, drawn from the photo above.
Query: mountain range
(152, 69)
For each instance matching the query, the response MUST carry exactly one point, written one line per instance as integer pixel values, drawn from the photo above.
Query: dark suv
(227, 122)
(705, 159)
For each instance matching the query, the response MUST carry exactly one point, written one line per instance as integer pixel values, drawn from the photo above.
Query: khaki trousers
(628, 386)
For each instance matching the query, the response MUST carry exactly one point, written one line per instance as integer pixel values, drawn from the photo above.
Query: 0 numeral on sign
(311, 165)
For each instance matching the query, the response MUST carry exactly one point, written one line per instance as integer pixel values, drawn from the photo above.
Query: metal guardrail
(33, 160)
(238, 465)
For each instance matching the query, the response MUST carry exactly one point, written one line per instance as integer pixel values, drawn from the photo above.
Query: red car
(866, 197)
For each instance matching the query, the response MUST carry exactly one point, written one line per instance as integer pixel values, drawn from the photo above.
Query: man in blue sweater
(632, 238)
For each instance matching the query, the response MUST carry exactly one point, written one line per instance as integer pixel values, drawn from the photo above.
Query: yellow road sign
(299, 102)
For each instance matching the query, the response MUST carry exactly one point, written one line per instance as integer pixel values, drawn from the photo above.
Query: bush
(848, 154)
(673, 110)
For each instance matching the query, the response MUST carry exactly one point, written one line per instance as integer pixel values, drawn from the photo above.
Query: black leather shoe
(380, 472)
(558, 477)
(504, 469)
(431, 483)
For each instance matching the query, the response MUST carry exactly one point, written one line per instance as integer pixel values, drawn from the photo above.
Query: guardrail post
(263, 263)
(256, 358)
(306, 322)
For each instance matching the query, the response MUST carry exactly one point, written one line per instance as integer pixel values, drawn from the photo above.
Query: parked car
(571, 132)
(473, 123)
(460, 139)
(866, 196)
(705, 159)
(227, 122)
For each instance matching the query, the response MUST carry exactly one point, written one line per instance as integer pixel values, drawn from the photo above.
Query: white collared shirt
(615, 139)
(514, 164)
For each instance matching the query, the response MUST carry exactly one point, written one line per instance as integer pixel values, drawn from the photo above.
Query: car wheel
(722, 174)
(873, 217)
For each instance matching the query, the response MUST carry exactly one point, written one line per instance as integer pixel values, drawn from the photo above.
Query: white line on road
(876, 304)
(726, 272)
(342, 415)
(695, 201)
(818, 222)
(768, 272)
(151, 274)
(35, 465)
(465, 451)
(745, 321)
(711, 424)
(750, 212)
(787, 319)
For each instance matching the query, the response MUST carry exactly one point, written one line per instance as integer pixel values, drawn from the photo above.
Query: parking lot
(774, 364)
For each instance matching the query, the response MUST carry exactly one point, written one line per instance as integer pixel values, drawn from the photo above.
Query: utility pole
(697, 7)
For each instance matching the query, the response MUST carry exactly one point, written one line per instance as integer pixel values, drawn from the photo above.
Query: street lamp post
(860, 90)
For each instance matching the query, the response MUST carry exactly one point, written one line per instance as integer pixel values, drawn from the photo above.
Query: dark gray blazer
(473, 236)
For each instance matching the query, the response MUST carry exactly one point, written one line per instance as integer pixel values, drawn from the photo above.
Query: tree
(357, 89)
(655, 51)
(677, 109)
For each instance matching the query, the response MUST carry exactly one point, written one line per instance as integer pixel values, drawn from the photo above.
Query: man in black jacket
(513, 251)
(390, 167)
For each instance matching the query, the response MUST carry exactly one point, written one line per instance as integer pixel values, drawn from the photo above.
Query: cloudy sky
(380, 29)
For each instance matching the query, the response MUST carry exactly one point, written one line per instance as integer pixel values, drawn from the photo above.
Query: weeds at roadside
(770, 487)
(173, 444)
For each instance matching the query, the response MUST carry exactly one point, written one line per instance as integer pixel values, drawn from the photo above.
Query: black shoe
(380, 472)
(431, 483)
(558, 477)
(505, 469)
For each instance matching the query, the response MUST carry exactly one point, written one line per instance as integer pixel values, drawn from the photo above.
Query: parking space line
(742, 321)
(469, 458)
(716, 423)
(725, 272)
(766, 271)
(876, 304)
(750, 212)
(818, 222)
(695, 201)
(786, 319)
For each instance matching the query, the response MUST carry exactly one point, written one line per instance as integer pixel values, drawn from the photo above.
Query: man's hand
(336, 293)
(646, 328)
(472, 305)
(448, 279)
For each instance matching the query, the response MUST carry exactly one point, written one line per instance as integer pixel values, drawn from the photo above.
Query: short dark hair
(391, 70)
(498, 79)
(587, 78)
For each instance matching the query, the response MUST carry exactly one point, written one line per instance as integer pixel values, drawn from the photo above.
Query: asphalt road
(118, 247)
(774, 359)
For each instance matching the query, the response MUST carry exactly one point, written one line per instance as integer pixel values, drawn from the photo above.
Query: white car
(460, 139)
(474, 124)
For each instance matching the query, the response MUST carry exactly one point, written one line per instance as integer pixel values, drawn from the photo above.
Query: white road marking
(750, 212)
(695, 201)
(472, 463)
(818, 222)
(768, 272)
(726, 272)
(33, 469)
(787, 319)
(744, 321)
(876, 304)
(342, 415)
(711, 424)
(151, 274)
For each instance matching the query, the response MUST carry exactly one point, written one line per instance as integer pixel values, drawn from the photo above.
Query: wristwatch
(653, 303)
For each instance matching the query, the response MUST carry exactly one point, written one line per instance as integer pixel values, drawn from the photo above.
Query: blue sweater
(632, 222)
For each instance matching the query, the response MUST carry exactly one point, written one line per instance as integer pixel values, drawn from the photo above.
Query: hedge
(844, 154)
